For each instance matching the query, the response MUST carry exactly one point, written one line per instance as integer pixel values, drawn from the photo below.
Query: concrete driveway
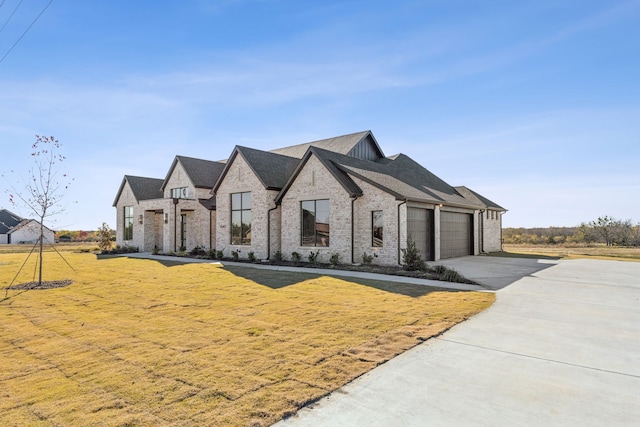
(561, 346)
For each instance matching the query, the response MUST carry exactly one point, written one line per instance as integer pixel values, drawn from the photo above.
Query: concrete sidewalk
(561, 346)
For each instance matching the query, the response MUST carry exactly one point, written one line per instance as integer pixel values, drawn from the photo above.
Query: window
(315, 223)
(128, 223)
(241, 218)
(179, 193)
(377, 226)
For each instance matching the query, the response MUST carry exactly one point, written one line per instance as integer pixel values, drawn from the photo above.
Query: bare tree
(42, 191)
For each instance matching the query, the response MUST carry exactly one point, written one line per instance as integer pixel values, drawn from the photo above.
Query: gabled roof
(8, 220)
(271, 169)
(345, 144)
(326, 158)
(142, 188)
(399, 176)
(26, 222)
(202, 173)
(469, 194)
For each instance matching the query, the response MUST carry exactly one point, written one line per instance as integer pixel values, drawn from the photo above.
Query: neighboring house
(14, 229)
(338, 195)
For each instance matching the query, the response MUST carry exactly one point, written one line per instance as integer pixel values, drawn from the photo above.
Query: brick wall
(240, 178)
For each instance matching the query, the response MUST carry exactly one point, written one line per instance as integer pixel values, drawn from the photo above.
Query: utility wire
(25, 31)
(10, 16)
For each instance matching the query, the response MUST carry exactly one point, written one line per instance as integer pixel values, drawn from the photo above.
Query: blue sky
(534, 104)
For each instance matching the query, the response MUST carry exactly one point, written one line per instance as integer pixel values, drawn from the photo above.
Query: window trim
(241, 241)
(373, 229)
(127, 229)
(317, 240)
(180, 193)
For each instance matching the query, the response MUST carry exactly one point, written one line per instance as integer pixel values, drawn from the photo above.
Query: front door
(183, 231)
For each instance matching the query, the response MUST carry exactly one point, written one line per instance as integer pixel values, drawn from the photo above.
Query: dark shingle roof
(143, 188)
(271, 169)
(339, 144)
(203, 173)
(468, 193)
(8, 220)
(399, 176)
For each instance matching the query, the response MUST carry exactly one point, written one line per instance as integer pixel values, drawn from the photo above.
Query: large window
(241, 218)
(315, 223)
(128, 223)
(377, 227)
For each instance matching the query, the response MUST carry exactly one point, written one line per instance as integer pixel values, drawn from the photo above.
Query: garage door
(420, 230)
(456, 238)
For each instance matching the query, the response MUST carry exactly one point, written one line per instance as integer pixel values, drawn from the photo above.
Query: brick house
(338, 195)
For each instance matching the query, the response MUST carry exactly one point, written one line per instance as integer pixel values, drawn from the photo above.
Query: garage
(420, 230)
(456, 234)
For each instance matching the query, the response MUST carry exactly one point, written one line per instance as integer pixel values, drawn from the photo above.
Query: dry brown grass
(137, 342)
(574, 252)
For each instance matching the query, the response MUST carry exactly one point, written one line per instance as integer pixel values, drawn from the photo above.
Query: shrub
(411, 259)
(439, 269)
(211, 253)
(252, 256)
(220, 254)
(451, 275)
(104, 237)
(334, 260)
(277, 256)
(235, 254)
(313, 257)
(121, 250)
(182, 249)
(295, 256)
(198, 251)
(367, 259)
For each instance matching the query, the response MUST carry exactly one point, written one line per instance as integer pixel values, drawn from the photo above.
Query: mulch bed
(51, 284)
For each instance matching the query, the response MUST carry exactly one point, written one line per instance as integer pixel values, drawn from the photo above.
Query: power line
(10, 16)
(25, 31)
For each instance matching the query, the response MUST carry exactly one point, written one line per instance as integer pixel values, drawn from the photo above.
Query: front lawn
(139, 342)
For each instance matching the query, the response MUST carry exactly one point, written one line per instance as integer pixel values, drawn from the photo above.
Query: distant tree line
(605, 230)
(80, 236)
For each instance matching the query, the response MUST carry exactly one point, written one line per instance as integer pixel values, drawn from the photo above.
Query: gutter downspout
(399, 257)
(175, 224)
(269, 231)
(481, 227)
(353, 199)
(210, 229)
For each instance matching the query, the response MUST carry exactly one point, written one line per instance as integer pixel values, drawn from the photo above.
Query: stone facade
(239, 179)
(167, 220)
(315, 182)
(492, 231)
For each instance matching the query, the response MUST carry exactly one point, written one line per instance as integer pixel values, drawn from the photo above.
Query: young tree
(42, 192)
(104, 234)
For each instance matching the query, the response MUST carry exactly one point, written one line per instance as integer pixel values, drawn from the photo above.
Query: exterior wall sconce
(140, 218)
(166, 218)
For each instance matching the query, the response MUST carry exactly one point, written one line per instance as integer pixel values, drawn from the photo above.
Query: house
(340, 195)
(14, 229)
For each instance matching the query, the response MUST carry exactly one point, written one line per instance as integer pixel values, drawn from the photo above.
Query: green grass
(137, 342)
(572, 252)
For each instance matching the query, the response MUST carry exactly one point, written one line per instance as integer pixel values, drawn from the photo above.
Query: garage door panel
(455, 234)
(420, 230)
